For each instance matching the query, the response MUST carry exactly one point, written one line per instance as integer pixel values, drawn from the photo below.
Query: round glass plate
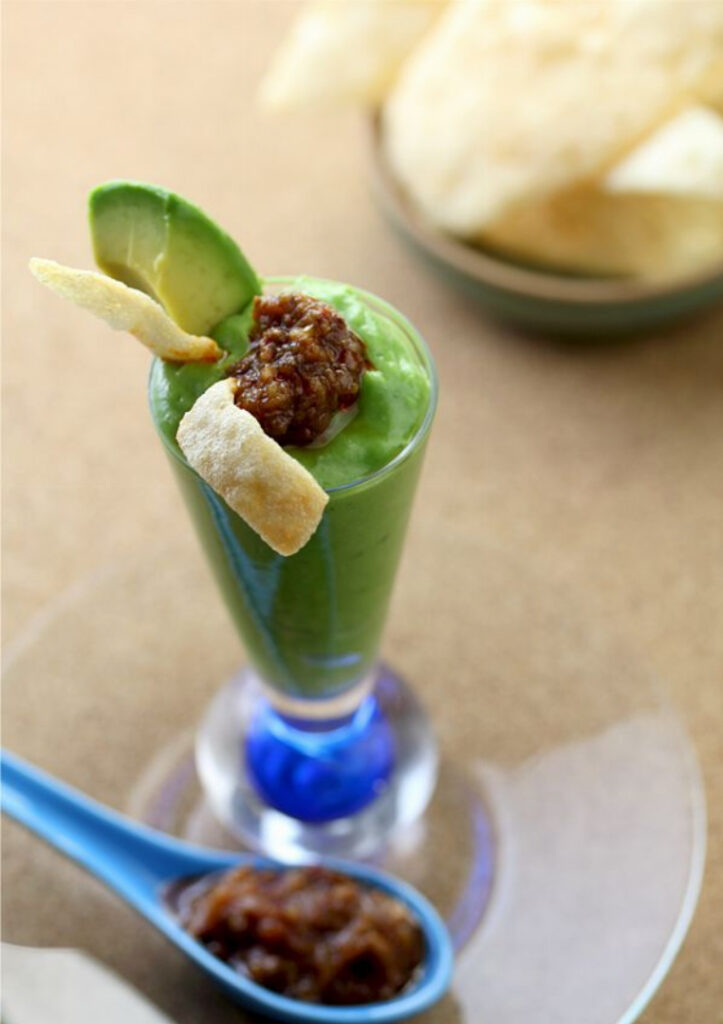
(565, 840)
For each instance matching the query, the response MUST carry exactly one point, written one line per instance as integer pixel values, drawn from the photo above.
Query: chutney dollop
(303, 366)
(308, 933)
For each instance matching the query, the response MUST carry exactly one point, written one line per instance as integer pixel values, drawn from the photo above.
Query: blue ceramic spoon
(140, 863)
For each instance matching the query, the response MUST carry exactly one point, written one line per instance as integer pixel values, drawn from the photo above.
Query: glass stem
(320, 767)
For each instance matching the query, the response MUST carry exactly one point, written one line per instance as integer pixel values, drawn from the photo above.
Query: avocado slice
(158, 242)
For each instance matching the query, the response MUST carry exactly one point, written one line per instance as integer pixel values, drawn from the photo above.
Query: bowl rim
(486, 267)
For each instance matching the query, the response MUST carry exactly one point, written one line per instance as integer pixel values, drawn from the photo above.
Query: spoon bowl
(141, 864)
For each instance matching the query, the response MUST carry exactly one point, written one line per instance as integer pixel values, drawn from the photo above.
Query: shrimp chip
(275, 495)
(125, 309)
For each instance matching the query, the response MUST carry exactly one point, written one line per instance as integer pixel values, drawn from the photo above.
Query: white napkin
(63, 986)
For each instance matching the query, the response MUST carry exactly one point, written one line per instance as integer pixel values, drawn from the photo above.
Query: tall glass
(314, 746)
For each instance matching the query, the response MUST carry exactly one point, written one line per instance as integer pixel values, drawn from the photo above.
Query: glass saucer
(565, 840)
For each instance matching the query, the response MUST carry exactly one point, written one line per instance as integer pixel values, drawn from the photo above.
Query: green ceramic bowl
(547, 301)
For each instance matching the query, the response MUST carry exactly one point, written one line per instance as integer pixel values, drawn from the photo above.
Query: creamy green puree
(311, 623)
(393, 399)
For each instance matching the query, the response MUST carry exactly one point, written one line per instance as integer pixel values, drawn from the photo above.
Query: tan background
(602, 465)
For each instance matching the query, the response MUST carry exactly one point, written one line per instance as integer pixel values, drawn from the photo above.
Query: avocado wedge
(156, 241)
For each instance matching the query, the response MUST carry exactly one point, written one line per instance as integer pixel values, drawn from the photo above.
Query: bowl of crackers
(563, 161)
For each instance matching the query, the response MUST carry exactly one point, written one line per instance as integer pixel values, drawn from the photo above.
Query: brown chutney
(303, 366)
(308, 933)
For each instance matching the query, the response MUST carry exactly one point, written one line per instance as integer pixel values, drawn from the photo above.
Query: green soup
(311, 622)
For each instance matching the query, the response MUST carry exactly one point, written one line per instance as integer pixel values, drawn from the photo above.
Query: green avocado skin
(156, 241)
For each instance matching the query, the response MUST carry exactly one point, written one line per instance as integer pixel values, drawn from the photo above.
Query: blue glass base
(319, 772)
(296, 788)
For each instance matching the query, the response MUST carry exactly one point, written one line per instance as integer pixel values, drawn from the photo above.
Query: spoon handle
(131, 858)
